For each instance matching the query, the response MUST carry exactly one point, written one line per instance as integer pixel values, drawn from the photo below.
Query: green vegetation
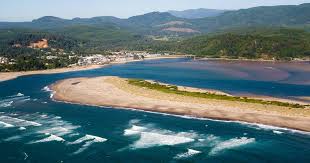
(266, 43)
(249, 43)
(174, 90)
(14, 46)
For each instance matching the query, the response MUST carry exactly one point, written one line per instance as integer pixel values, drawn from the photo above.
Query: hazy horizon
(31, 9)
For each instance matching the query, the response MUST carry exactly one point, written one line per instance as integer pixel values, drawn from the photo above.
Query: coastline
(118, 93)
(4, 76)
(251, 60)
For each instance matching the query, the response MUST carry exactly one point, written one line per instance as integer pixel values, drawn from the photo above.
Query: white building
(4, 60)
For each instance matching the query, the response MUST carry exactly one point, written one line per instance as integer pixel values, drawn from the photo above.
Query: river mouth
(77, 133)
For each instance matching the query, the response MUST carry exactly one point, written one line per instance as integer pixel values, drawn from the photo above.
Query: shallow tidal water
(33, 128)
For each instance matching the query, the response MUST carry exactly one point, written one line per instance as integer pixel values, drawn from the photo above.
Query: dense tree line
(267, 43)
(280, 44)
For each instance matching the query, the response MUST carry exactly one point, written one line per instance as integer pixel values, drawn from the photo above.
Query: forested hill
(281, 44)
(289, 15)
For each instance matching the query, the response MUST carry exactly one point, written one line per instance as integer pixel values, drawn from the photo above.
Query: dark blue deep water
(33, 128)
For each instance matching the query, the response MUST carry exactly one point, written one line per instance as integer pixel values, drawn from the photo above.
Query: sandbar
(118, 93)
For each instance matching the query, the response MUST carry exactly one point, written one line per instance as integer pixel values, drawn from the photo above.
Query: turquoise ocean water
(33, 128)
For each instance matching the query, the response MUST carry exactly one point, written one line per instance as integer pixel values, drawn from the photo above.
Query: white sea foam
(5, 104)
(22, 128)
(60, 131)
(13, 138)
(18, 98)
(50, 138)
(207, 140)
(73, 134)
(134, 130)
(134, 121)
(231, 143)
(87, 140)
(20, 94)
(277, 132)
(5, 125)
(17, 95)
(19, 122)
(157, 137)
(149, 139)
(255, 125)
(189, 153)
(46, 89)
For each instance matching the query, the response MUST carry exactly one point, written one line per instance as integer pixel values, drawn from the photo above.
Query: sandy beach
(117, 92)
(12, 75)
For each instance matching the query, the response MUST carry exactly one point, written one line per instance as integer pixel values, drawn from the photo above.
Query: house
(4, 60)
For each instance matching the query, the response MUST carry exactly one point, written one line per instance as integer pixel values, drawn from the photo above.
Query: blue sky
(25, 10)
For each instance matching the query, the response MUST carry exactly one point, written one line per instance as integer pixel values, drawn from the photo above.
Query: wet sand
(116, 92)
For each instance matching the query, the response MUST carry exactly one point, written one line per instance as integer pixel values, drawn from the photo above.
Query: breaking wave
(18, 98)
(50, 138)
(13, 138)
(231, 143)
(189, 153)
(47, 89)
(4, 104)
(20, 94)
(88, 140)
(248, 124)
(157, 137)
(5, 125)
(60, 131)
(19, 122)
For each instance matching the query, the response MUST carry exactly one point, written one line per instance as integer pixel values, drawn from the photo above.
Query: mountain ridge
(197, 13)
(151, 23)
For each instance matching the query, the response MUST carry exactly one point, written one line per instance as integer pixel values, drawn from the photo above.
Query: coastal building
(94, 59)
(119, 56)
(4, 60)
(50, 57)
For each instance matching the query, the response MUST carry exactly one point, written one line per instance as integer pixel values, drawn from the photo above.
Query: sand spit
(116, 92)
(12, 75)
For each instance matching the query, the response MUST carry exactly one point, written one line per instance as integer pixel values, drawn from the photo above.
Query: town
(93, 59)
(121, 56)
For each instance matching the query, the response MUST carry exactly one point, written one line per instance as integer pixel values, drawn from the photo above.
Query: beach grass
(174, 90)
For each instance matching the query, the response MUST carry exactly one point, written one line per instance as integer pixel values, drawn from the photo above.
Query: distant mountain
(197, 13)
(152, 19)
(48, 19)
(164, 23)
(288, 15)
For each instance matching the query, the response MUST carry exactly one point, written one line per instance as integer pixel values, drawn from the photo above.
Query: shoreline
(5, 76)
(251, 60)
(250, 124)
(88, 91)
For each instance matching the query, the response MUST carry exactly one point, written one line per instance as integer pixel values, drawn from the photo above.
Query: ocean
(34, 128)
